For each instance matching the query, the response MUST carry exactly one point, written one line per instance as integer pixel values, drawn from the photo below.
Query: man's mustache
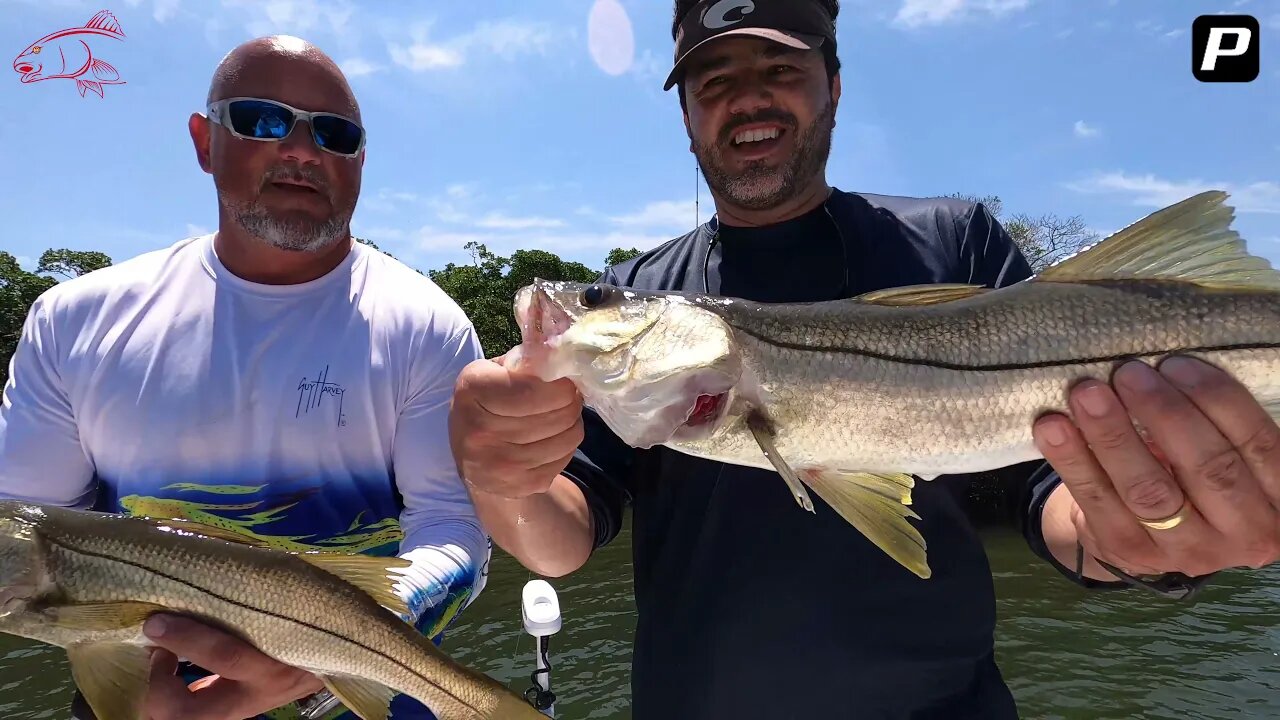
(767, 115)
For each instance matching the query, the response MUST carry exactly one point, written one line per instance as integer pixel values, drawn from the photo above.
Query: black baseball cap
(801, 24)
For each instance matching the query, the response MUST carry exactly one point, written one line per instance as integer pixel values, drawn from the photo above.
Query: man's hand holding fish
(1199, 494)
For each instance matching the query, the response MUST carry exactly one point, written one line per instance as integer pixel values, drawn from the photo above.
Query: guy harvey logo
(312, 394)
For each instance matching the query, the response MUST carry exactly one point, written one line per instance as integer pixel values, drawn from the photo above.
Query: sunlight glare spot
(609, 37)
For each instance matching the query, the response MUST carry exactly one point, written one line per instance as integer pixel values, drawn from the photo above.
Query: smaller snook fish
(66, 54)
(855, 399)
(87, 581)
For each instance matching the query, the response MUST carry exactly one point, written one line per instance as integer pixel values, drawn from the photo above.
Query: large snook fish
(86, 581)
(852, 398)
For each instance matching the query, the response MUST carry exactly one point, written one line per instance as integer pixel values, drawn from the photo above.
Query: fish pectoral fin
(367, 699)
(763, 432)
(1189, 241)
(367, 572)
(932, 294)
(112, 677)
(101, 616)
(878, 506)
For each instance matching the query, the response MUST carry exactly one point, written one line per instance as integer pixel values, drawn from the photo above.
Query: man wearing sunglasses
(274, 377)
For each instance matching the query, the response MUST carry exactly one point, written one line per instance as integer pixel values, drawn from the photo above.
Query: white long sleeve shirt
(311, 416)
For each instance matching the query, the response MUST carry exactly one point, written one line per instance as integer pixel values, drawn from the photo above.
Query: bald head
(280, 60)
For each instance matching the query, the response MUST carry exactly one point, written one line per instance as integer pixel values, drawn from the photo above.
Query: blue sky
(543, 124)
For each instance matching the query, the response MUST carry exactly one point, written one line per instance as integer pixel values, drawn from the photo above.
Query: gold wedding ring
(1170, 522)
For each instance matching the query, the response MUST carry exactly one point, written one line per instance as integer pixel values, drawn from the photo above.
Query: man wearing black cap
(748, 607)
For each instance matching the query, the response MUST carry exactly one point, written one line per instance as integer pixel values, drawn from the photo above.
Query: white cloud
(301, 18)
(918, 13)
(26, 263)
(431, 239)
(498, 221)
(161, 11)
(358, 67)
(1084, 130)
(1151, 191)
(194, 230)
(670, 214)
(507, 39)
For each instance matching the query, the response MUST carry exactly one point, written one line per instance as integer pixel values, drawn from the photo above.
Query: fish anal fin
(1189, 241)
(762, 430)
(367, 572)
(112, 677)
(105, 21)
(367, 699)
(103, 70)
(878, 506)
(933, 294)
(101, 616)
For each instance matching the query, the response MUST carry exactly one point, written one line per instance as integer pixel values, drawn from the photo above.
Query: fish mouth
(706, 410)
(540, 319)
(28, 75)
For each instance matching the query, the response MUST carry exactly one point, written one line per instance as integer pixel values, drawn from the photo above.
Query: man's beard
(293, 231)
(760, 186)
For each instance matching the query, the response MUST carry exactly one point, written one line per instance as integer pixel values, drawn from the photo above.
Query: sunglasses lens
(336, 134)
(260, 119)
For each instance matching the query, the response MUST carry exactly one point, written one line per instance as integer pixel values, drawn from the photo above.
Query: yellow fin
(921, 294)
(763, 434)
(101, 616)
(367, 699)
(112, 677)
(367, 572)
(1190, 241)
(877, 505)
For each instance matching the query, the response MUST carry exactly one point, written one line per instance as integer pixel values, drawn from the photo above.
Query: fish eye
(596, 295)
(36, 49)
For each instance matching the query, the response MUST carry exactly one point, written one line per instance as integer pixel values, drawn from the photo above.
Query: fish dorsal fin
(105, 21)
(198, 528)
(367, 572)
(1190, 241)
(921, 294)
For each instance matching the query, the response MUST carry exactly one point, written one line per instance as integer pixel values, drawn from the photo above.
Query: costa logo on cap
(722, 14)
(801, 24)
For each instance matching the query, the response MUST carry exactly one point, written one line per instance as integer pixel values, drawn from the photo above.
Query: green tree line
(486, 286)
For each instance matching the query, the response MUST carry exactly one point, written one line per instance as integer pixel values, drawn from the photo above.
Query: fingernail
(1183, 371)
(1096, 400)
(1051, 431)
(155, 626)
(1138, 376)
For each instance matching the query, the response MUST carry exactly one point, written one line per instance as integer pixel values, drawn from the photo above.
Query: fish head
(657, 367)
(30, 62)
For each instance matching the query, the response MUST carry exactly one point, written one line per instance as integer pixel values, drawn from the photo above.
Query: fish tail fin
(878, 506)
(1190, 241)
(105, 21)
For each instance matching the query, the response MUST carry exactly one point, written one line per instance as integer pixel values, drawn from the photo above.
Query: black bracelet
(1174, 585)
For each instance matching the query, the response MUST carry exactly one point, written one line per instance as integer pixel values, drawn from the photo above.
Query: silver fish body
(855, 398)
(86, 582)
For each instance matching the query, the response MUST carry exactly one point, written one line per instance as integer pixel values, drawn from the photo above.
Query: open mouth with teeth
(759, 141)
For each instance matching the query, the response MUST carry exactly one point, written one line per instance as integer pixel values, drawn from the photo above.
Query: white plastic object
(540, 609)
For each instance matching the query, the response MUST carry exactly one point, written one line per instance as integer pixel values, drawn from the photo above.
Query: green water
(1067, 654)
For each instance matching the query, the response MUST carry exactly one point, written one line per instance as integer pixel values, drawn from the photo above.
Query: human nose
(299, 145)
(749, 97)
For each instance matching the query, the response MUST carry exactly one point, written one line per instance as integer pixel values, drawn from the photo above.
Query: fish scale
(855, 399)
